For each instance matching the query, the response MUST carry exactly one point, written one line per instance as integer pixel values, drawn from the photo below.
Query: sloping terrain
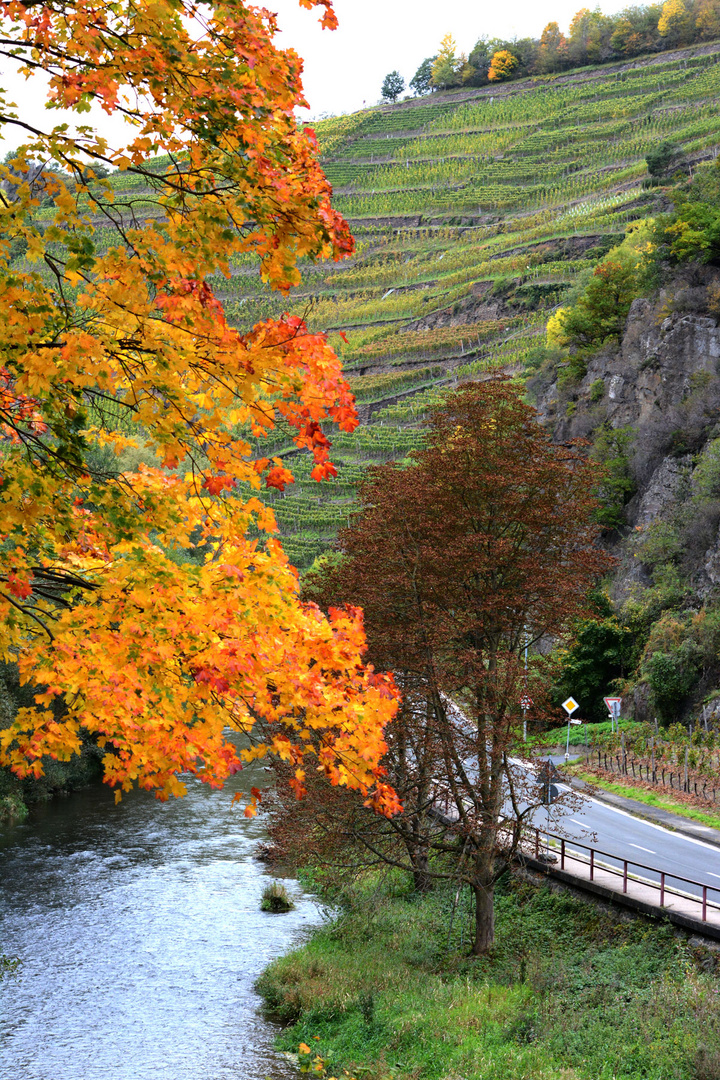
(473, 213)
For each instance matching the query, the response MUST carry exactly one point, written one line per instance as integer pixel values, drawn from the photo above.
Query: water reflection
(140, 933)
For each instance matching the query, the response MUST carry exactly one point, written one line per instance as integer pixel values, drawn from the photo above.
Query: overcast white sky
(344, 68)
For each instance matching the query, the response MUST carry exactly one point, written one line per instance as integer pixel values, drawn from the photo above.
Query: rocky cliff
(651, 410)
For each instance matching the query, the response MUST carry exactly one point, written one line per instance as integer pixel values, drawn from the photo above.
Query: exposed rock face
(663, 489)
(659, 392)
(659, 366)
(710, 573)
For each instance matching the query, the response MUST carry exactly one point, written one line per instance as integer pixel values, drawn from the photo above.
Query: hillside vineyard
(473, 212)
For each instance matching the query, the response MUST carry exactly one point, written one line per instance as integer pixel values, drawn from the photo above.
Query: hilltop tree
(143, 594)
(674, 23)
(502, 65)
(707, 20)
(478, 64)
(553, 48)
(447, 65)
(483, 544)
(421, 82)
(584, 36)
(393, 85)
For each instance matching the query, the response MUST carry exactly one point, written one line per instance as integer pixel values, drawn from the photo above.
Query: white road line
(575, 821)
(710, 874)
(640, 822)
(643, 822)
(640, 848)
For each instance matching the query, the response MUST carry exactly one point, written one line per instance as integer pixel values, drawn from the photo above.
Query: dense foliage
(143, 594)
(592, 38)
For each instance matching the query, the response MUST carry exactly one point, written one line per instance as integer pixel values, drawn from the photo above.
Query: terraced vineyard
(473, 212)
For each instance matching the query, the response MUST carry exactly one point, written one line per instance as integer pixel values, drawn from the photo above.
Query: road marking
(713, 875)
(640, 848)
(576, 822)
(640, 822)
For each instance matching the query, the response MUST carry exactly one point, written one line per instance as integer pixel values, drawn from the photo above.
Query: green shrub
(601, 311)
(611, 448)
(603, 651)
(275, 899)
(693, 231)
(661, 157)
(597, 390)
(670, 677)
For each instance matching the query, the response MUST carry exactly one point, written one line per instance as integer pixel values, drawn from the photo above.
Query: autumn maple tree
(152, 605)
(482, 546)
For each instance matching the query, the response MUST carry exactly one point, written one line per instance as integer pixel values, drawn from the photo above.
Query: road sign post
(567, 748)
(570, 706)
(613, 707)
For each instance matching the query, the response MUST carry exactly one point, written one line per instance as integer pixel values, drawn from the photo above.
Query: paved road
(624, 836)
(627, 837)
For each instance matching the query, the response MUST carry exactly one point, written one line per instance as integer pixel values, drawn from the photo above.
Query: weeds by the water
(569, 991)
(275, 898)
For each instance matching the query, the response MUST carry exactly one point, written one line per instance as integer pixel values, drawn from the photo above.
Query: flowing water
(140, 933)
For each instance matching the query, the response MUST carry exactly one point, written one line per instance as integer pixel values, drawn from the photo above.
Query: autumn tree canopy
(483, 545)
(143, 593)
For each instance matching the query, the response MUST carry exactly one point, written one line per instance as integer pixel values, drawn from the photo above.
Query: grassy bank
(579, 735)
(387, 991)
(644, 795)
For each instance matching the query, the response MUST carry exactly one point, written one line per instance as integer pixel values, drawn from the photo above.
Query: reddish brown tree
(483, 544)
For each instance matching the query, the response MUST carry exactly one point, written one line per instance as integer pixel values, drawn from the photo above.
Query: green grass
(640, 794)
(579, 733)
(386, 991)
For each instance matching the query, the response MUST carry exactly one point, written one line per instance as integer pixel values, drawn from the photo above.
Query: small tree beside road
(483, 544)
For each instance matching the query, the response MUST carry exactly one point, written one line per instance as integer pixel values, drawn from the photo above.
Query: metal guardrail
(566, 849)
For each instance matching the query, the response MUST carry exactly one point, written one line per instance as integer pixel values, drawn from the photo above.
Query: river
(140, 933)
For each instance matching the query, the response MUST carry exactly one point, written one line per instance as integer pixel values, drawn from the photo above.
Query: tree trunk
(422, 882)
(484, 919)
(420, 866)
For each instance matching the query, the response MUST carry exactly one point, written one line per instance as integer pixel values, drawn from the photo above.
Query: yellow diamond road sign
(570, 706)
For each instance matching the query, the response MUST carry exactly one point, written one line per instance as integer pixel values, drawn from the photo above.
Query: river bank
(140, 935)
(571, 991)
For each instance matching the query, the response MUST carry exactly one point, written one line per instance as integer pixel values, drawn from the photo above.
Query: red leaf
(278, 477)
(324, 471)
(18, 586)
(215, 484)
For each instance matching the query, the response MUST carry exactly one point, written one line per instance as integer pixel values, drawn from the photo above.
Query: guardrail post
(624, 875)
(592, 863)
(562, 854)
(704, 917)
(662, 888)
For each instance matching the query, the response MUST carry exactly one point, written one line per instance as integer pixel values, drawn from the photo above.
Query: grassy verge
(578, 734)
(650, 798)
(386, 991)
